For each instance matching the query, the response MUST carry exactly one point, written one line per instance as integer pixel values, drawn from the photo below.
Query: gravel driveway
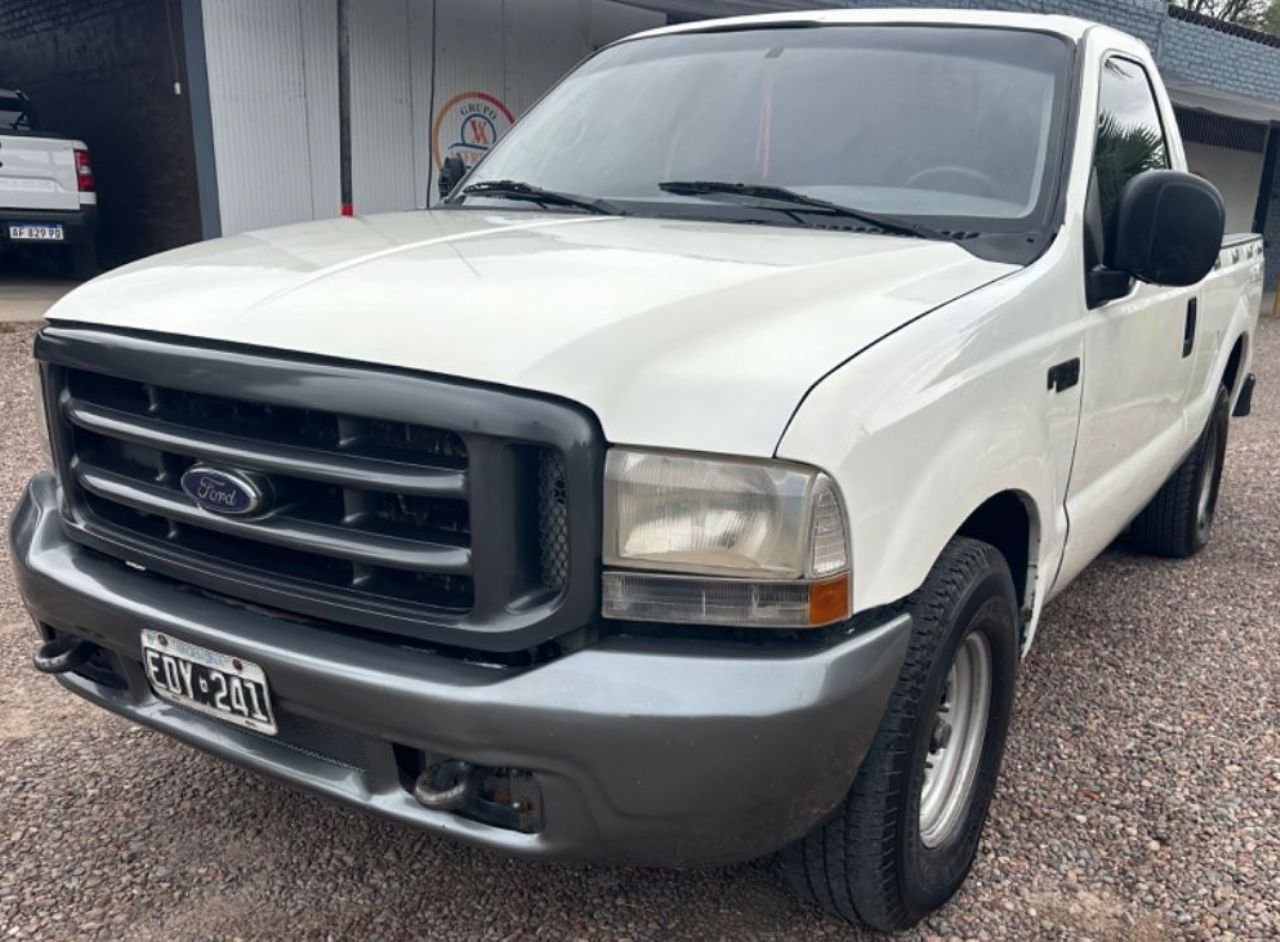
(1140, 797)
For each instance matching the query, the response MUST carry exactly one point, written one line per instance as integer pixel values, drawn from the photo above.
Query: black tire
(1179, 520)
(82, 261)
(867, 863)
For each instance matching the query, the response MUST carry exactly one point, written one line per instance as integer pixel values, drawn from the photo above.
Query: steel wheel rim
(956, 740)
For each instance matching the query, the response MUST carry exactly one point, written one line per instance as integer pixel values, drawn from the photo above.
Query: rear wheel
(1179, 520)
(902, 842)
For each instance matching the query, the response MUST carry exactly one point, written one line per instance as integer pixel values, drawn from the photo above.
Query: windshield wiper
(762, 194)
(515, 190)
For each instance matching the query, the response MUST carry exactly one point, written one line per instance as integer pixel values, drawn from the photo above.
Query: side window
(1130, 135)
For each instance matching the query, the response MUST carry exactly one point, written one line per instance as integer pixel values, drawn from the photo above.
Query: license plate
(36, 232)
(229, 688)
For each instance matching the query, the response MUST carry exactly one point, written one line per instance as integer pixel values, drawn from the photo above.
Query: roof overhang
(1199, 97)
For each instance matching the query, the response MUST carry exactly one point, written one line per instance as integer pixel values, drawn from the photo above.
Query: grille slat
(397, 503)
(361, 546)
(354, 470)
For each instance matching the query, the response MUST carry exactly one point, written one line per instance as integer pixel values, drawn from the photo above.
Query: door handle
(1189, 329)
(1064, 375)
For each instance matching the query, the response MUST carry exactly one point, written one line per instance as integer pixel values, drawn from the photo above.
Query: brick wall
(1212, 58)
(104, 71)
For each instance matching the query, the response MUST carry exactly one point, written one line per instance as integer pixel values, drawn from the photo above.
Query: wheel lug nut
(941, 736)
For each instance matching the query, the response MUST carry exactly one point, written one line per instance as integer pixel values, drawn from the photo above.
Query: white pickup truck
(687, 487)
(47, 195)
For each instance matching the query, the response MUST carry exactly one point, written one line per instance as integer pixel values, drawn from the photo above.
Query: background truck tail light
(84, 171)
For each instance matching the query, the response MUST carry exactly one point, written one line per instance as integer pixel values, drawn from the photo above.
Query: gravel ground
(1140, 797)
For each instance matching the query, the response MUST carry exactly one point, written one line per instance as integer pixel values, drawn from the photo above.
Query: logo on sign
(223, 492)
(468, 125)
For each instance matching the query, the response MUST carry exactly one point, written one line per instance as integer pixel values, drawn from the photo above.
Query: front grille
(133, 442)
(396, 503)
(553, 520)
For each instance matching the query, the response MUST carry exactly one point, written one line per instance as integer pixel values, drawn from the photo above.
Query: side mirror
(451, 174)
(1166, 229)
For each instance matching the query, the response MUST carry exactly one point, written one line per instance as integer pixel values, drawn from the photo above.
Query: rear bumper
(79, 227)
(645, 752)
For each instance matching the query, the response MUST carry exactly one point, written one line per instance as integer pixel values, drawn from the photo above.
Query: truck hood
(679, 334)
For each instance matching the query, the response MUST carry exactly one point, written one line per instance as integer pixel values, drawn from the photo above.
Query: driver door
(1135, 367)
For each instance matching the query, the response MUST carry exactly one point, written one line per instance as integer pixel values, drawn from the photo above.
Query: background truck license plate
(35, 232)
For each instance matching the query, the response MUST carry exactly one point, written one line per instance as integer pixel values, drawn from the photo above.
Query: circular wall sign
(468, 125)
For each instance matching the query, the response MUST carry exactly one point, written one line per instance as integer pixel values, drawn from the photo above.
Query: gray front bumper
(670, 753)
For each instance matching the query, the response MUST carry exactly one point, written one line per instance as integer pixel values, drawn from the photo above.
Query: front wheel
(902, 842)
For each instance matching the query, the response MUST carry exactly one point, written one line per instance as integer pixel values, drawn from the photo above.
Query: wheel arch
(1233, 373)
(1010, 521)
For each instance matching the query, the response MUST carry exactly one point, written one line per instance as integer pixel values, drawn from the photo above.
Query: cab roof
(1069, 27)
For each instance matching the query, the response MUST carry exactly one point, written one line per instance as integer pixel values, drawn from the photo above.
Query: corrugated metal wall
(429, 77)
(258, 103)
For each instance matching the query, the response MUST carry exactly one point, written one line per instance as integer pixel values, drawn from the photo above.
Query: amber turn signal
(829, 600)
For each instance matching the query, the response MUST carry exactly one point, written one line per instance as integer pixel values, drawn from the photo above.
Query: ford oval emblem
(223, 492)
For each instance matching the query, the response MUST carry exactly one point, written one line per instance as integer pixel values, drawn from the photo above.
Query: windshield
(925, 121)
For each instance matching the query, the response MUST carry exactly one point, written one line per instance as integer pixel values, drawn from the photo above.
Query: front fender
(924, 427)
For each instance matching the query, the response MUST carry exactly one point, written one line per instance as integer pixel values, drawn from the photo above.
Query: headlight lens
(683, 514)
(772, 532)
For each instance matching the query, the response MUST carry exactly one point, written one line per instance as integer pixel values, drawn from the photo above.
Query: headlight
(42, 418)
(724, 542)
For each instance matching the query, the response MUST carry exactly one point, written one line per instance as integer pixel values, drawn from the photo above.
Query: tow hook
(62, 654)
(445, 786)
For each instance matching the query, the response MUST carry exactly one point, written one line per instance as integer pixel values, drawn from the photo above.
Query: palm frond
(1124, 151)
